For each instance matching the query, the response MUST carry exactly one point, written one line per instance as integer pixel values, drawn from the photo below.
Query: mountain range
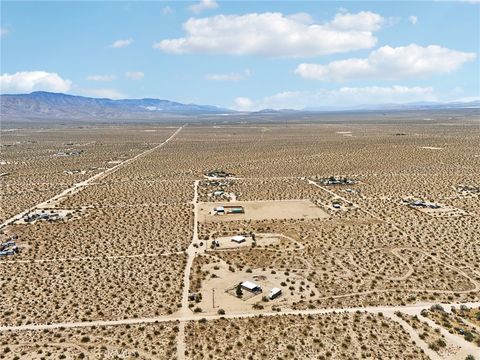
(47, 105)
(51, 106)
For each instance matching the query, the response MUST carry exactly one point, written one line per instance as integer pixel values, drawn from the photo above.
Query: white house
(238, 239)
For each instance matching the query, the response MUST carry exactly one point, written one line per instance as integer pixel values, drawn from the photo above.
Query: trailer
(274, 293)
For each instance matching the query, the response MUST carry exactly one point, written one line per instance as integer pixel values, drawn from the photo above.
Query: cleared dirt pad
(264, 210)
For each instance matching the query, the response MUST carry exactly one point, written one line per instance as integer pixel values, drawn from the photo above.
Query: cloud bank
(28, 81)
(272, 34)
(389, 63)
(345, 96)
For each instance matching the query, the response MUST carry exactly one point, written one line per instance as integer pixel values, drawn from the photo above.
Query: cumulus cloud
(102, 93)
(28, 81)
(134, 75)
(413, 19)
(233, 76)
(342, 97)
(203, 5)
(389, 63)
(275, 35)
(106, 77)
(362, 21)
(122, 43)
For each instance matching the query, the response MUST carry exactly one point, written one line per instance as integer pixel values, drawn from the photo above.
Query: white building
(274, 293)
(238, 239)
(250, 286)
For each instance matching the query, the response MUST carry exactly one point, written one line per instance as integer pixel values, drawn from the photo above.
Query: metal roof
(249, 285)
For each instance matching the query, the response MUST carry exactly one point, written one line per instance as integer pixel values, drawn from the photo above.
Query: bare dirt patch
(264, 210)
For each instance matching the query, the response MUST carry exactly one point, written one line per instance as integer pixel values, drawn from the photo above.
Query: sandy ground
(444, 211)
(219, 291)
(264, 210)
(431, 259)
(261, 240)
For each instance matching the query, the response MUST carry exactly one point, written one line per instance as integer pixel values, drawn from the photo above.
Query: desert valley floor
(165, 242)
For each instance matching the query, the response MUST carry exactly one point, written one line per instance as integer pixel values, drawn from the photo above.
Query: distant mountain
(56, 106)
(423, 105)
(47, 105)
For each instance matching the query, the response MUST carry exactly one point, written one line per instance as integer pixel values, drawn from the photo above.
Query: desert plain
(369, 228)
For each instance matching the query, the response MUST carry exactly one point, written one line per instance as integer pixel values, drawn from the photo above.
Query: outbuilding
(274, 293)
(218, 193)
(219, 210)
(250, 286)
(238, 239)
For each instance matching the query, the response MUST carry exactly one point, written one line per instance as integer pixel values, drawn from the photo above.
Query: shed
(250, 286)
(219, 210)
(238, 239)
(274, 293)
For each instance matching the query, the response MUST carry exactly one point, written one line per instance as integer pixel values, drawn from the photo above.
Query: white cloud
(167, 10)
(274, 35)
(106, 77)
(244, 103)
(118, 44)
(389, 63)
(28, 81)
(233, 76)
(102, 93)
(413, 19)
(363, 21)
(203, 5)
(134, 75)
(3, 31)
(342, 97)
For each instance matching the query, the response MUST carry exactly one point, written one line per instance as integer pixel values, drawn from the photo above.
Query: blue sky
(244, 55)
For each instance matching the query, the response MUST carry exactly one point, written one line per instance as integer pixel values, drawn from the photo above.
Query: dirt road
(78, 186)
(182, 317)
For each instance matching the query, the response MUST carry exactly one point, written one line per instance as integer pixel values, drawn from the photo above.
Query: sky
(245, 55)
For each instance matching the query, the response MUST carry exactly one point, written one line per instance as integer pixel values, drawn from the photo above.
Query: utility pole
(213, 298)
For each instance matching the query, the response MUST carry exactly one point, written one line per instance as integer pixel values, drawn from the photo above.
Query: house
(274, 293)
(336, 206)
(218, 193)
(250, 286)
(238, 239)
